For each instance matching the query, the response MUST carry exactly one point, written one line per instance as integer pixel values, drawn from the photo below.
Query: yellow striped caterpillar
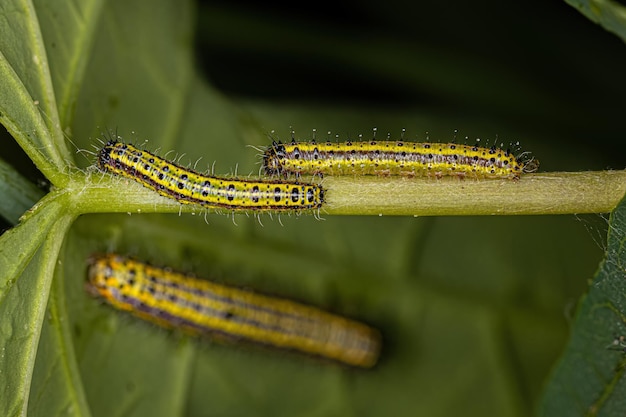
(407, 159)
(199, 307)
(189, 187)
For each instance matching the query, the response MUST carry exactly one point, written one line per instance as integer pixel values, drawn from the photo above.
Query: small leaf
(26, 90)
(16, 193)
(607, 13)
(589, 378)
(28, 257)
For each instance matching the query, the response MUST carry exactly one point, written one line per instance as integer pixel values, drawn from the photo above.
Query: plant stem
(545, 193)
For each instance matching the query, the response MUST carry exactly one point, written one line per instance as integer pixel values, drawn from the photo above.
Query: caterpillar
(199, 307)
(393, 158)
(189, 187)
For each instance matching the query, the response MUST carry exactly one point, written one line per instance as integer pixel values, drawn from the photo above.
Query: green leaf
(607, 13)
(28, 256)
(69, 32)
(26, 90)
(16, 193)
(589, 379)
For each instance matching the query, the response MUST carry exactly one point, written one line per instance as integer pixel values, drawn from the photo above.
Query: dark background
(537, 64)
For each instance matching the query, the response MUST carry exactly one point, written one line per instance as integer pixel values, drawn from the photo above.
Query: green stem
(546, 193)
